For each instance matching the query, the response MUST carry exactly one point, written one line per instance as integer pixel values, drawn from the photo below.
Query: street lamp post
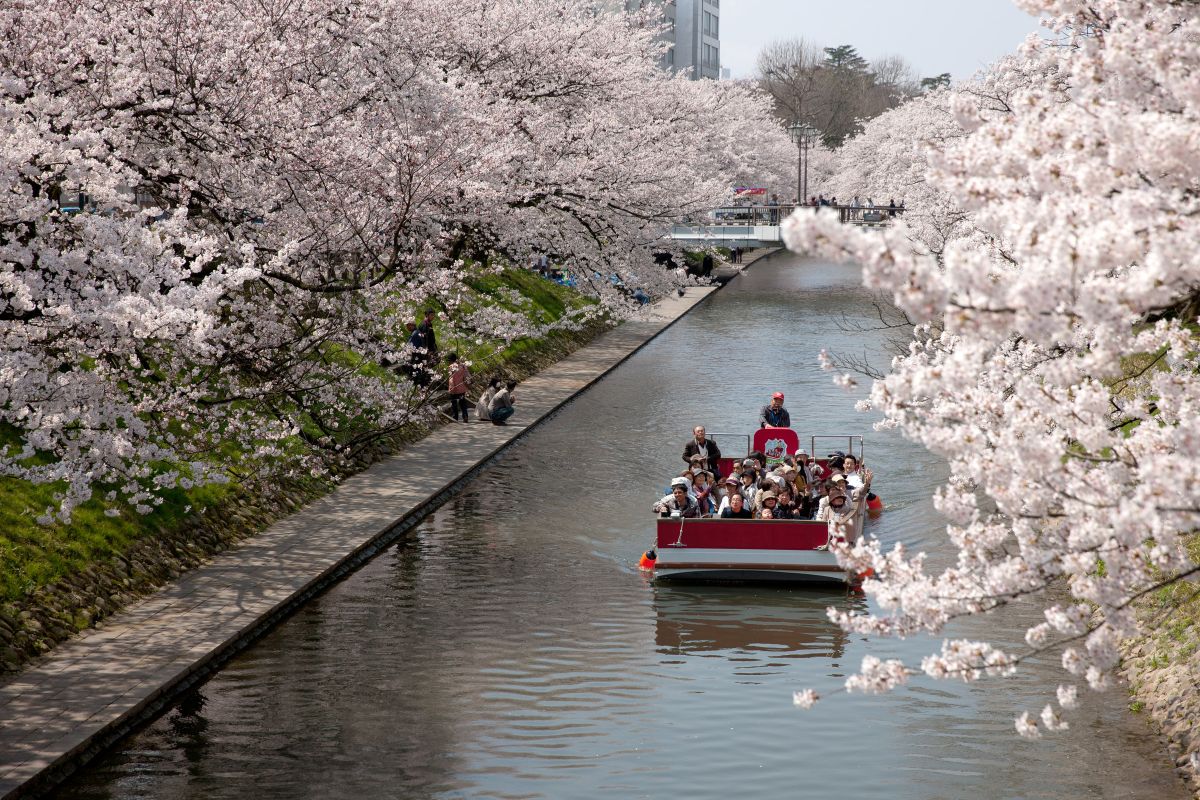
(803, 135)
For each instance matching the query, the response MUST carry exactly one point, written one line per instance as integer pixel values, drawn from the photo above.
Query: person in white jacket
(844, 510)
(483, 411)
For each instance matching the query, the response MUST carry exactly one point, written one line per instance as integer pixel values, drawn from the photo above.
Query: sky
(935, 36)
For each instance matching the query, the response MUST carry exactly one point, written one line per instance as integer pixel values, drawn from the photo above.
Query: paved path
(89, 691)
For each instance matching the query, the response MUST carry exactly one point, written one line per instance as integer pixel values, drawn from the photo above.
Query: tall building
(697, 37)
(693, 29)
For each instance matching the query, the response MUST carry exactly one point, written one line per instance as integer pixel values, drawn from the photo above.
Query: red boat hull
(745, 550)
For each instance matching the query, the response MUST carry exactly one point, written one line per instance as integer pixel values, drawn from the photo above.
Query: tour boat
(784, 550)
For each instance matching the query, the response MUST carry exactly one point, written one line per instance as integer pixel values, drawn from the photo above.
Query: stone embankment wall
(53, 613)
(1163, 671)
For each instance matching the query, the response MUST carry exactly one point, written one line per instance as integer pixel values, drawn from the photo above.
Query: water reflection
(747, 624)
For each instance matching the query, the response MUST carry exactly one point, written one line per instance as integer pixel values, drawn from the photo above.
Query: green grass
(34, 555)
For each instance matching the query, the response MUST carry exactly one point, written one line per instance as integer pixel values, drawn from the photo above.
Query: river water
(512, 649)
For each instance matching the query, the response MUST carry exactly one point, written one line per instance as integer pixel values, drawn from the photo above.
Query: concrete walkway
(90, 691)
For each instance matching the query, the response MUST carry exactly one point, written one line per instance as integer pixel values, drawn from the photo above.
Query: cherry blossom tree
(266, 191)
(1055, 367)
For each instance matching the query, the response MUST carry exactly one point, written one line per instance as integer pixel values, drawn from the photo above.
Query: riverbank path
(90, 691)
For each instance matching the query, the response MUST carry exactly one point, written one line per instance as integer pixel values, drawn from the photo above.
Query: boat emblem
(775, 449)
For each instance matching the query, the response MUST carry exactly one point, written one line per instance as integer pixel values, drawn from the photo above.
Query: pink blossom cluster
(1051, 258)
(271, 189)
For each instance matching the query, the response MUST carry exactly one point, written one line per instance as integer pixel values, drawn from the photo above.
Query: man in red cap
(775, 415)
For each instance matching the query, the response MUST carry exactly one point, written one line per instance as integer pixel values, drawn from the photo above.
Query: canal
(512, 650)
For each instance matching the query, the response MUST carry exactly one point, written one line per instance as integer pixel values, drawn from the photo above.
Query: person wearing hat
(701, 445)
(774, 415)
(765, 484)
(770, 502)
(787, 508)
(803, 465)
(678, 501)
(844, 509)
(702, 488)
(730, 487)
(749, 484)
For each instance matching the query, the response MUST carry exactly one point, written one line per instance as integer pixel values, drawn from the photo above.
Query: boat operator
(775, 415)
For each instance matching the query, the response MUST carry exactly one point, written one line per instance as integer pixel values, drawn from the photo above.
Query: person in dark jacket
(700, 445)
(775, 415)
(736, 508)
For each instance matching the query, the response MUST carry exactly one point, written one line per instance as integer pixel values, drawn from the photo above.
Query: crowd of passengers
(799, 487)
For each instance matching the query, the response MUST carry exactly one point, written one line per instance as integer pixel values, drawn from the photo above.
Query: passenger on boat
(774, 415)
(750, 467)
(702, 446)
(786, 507)
(736, 508)
(678, 501)
(768, 504)
(804, 464)
(846, 510)
(765, 486)
(728, 488)
(702, 487)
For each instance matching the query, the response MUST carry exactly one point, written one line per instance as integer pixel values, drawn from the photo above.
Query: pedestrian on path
(501, 407)
(482, 410)
(460, 378)
(415, 368)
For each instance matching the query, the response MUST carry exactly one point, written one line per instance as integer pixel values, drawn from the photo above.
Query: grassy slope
(33, 555)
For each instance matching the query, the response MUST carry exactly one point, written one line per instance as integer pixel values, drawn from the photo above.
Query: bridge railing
(755, 215)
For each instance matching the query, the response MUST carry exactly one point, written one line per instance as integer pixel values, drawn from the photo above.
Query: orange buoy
(874, 502)
(648, 560)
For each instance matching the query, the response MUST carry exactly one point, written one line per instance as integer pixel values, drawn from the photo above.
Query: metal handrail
(774, 214)
(850, 439)
(714, 434)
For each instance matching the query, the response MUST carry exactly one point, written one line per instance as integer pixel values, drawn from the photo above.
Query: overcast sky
(935, 36)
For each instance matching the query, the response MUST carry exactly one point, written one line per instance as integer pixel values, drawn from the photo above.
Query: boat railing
(745, 437)
(851, 439)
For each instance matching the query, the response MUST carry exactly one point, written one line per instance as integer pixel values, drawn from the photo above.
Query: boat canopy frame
(850, 438)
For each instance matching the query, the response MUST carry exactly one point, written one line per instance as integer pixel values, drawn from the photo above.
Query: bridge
(758, 225)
